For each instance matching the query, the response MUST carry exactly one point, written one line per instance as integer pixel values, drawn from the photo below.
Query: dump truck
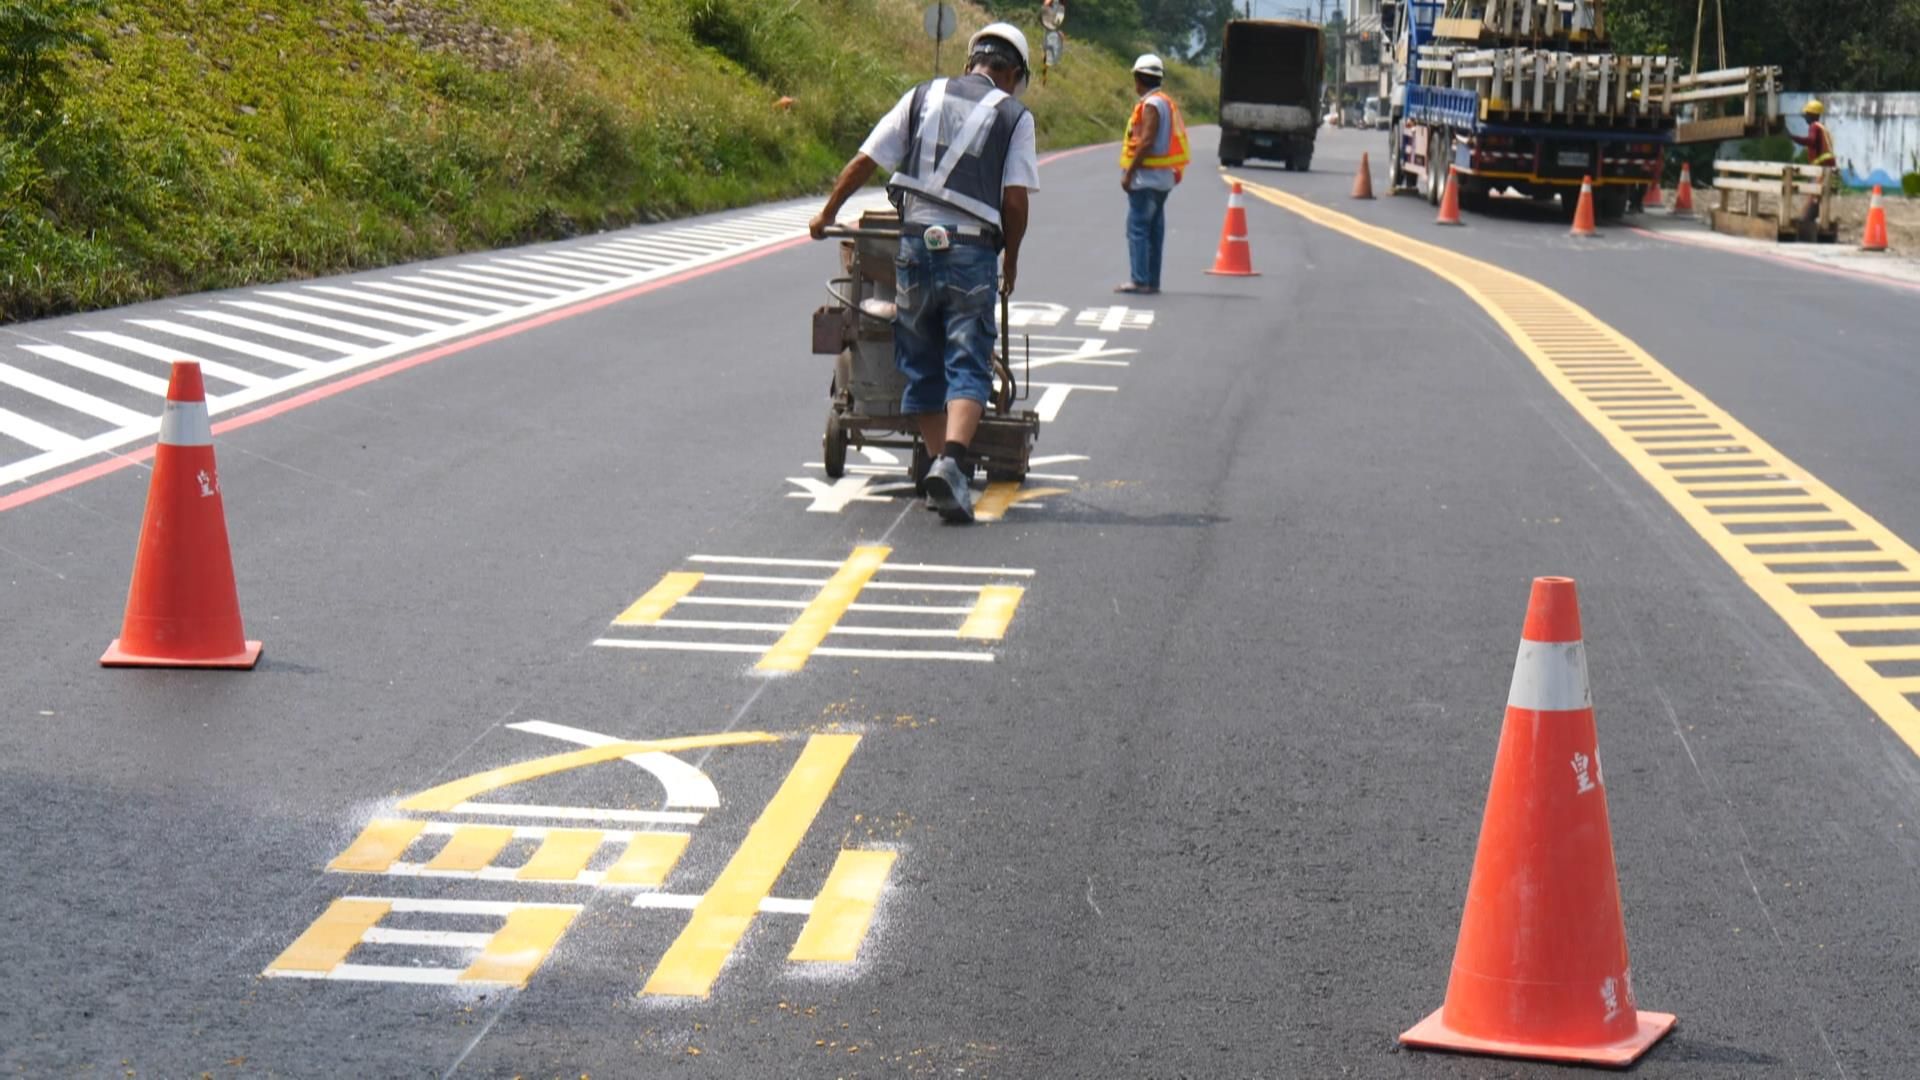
(1524, 95)
(1270, 75)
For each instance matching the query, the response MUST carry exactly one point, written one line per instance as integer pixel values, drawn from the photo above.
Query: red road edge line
(114, 464)
(68, 480)
(1798, 264)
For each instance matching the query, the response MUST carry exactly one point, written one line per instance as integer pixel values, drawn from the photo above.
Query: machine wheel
(834, 447)
(1610, 203)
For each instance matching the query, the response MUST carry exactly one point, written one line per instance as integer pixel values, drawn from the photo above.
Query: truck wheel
(1233, 149)
(1396, 176)
(1610, 203)
(1437, 166)
(834, 448)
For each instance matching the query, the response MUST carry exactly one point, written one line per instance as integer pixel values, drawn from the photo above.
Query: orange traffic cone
(1875, 237)
(1234, 257)
(1363, 181)
(1683, 192)
(1652, 199)
(1583, 213)
(1540, 969)
(1450, 202)
(182, 610)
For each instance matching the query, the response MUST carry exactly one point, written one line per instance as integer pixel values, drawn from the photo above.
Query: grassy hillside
(193, 144)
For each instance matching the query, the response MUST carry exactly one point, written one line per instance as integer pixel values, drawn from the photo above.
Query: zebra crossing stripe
(355, 309)
(231, 344)
(106, 369)
(79, 400)
(311, 319)
(153, 350)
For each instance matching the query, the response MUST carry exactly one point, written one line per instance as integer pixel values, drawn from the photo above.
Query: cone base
(244, 660)
(1433, 1034)
(1455, 224)
(1234, 273)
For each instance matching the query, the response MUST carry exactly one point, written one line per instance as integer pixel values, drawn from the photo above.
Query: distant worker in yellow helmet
(1153, 159)
(1819, 144)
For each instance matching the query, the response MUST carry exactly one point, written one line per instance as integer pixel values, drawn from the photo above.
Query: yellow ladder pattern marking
(992, 611)
(332, 936)
(562, 854)
(471, 848)
(660, 599)
(1001, 495)
(693, 961)
(649, 858)
(451, 794)
(824, 612)
(1810, 528)
(378, 846)
(520, 946)
(844, 908)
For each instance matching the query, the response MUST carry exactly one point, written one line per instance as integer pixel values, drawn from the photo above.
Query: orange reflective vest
(1823, 153)
(1176, 155)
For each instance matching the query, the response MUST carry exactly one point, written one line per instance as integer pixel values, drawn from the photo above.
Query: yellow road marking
(824, 612)
(649, 858)
(454, 792)
(562, 854)
(844, 908)
(332, 936)
(1001, 495)
(992, 612)
(471, 847)
(660, 599)
(520, 946)
(377, 846)
(693, 961)
(1538, 320)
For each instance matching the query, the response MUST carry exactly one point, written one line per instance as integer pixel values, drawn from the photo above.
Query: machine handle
(846, 233)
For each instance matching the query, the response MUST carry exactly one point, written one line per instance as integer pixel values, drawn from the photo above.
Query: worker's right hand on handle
(1010, 269)
(822, 221)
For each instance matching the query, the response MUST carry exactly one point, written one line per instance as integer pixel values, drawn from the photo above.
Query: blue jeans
(1146, 234)
(943, 325)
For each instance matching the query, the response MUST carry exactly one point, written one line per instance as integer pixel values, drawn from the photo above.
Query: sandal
(1130, 287)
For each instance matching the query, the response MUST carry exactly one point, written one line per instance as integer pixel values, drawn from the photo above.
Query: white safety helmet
(1010, 34)
(1149, 64)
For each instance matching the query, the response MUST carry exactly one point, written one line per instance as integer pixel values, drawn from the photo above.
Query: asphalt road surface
(1176, 769)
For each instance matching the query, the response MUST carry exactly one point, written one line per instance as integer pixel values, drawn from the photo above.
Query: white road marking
(561, 270)
(424, 976)
(393, 302)
(106, 369)
(311, 319)
(513, 300)
(833, 564)
(440, 297)
(231, 344)
(357, 309)
(579, 813)
(34, 433)
(772, 905)
(444, 939)
(731, 647)
(909, 609)
(598, 262)
(167, 354)
(79, 400)
(544, 281)
(494, 281)
(1055, 396)
(685, 784)
(284, 333)
(497, 908)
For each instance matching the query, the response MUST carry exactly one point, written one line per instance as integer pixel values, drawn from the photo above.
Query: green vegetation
(1824, 45)
(162, 146)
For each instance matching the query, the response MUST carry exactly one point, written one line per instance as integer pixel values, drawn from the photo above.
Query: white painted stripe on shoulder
(440, 297)
(357, 309)
(78, 400)
(559, 273)
(34, 433)
(185, 423)
(106, 369)
(395, 302)
(285, 333)
(308, 317)
(231, 344)
(556, 285)
(1550, 676)
(153, 350)
(512, 299)
(578, 267)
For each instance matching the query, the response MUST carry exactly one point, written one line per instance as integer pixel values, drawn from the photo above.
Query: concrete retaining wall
(1874, 135)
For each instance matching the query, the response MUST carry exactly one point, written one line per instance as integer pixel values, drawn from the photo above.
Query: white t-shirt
(887, 146)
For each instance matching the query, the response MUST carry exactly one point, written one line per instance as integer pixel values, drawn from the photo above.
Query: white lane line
(78, 400)
(508, 288)
(167, 354)
(386, 973)
(443, 939)
(231, 344)
(686, 785)
(106, 369)
(560, 274)
(905, 609)
(823, 650)
(299, 337)
(357, 309)
(512, 299)
(829, 564)
(497, 908)
(532, 832)
(711, 624)
(546, 281)
(909, 586)
(395, 302)
(772, 905)
(311, 319)
(36, 434)
(578, 268)
(442, 297)
(579, 813)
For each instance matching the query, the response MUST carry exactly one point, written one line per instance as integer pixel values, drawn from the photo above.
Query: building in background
(1359, 59)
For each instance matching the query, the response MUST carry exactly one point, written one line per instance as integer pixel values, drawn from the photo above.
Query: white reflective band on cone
(185, 423)
(1550, 676)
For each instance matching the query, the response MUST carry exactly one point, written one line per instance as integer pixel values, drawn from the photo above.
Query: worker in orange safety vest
(1819, 143)
(1153, 158)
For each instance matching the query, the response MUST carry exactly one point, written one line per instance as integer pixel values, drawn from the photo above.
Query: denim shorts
(943, 327)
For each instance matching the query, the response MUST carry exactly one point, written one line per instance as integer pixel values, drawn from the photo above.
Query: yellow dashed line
(1567, 343)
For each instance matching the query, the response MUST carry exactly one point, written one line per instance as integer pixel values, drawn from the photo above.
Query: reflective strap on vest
(933, 175)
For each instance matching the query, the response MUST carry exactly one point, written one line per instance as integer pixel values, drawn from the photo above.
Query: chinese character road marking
(507, 956)
(1109, 319)
(825, 611)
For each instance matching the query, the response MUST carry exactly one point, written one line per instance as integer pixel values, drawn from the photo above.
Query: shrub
(1910, 185)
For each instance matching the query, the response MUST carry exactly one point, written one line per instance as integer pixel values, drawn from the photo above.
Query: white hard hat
(1149, 64)
(1006, 32)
